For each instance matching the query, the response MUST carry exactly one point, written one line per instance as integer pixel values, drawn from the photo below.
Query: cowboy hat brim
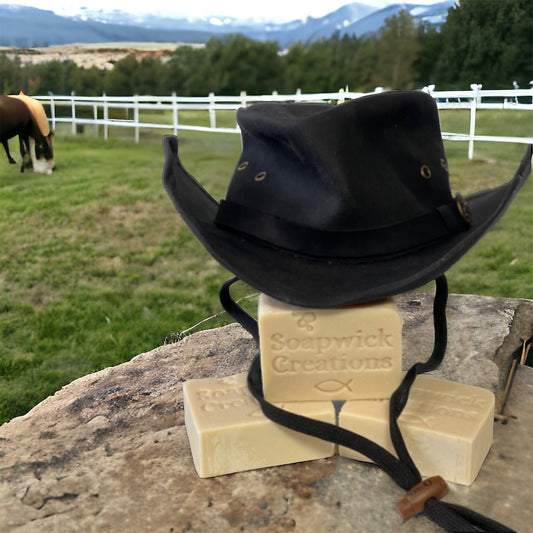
(324, 282)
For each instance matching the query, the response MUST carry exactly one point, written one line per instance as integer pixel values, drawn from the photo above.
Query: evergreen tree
(121, 79)
(309, 67)
(88, 81)
(54, 76)
(10, 75)
(182, 71)
(397, 50)
(237, 63)
(429, 45)
(361, 66)
(149, 76)
(488, 42)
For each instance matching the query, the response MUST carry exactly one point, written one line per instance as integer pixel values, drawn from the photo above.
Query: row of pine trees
(483, 41)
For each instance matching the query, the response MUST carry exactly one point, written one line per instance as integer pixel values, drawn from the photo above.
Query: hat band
(444, 221)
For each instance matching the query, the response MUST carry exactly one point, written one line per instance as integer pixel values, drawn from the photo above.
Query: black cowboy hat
(338, 205)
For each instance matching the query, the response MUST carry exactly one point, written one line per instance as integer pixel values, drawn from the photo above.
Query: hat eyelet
(261, 176)
(463, 209)
(243, 165)
(425, 172)
(444, 164)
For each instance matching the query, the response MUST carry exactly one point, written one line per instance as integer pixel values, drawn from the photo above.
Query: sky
(279, 10)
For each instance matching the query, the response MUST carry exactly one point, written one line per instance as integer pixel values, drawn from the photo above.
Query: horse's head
(44, 154)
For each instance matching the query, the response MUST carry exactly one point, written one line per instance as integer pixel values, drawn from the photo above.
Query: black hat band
(444, 221)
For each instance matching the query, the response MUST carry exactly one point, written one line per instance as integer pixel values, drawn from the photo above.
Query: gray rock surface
(109, 451)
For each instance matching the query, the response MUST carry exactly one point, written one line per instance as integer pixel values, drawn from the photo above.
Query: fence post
(106, 116)
(73, 112)
(243, 98)
(95, 117)
(52, 110)
(212, 111)
(475, 97)
(136, 116)
(174, 113)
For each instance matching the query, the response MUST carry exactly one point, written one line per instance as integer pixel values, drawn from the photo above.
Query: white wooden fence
(132, 106)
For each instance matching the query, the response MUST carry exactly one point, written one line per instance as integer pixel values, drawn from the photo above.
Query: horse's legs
(6, 148)
(24, 143)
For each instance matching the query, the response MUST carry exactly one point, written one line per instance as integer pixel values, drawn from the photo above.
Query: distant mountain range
(22, 26)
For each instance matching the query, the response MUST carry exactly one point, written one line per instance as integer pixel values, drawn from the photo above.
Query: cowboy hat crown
(337, 205)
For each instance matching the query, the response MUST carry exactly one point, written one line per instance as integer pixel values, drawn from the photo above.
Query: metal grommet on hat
(425, 171)
(261, 176)
(463, 209)
(243, 165)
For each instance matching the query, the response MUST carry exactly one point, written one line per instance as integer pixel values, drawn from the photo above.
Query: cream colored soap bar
(447, 427)
(329, 354)
(229, 433)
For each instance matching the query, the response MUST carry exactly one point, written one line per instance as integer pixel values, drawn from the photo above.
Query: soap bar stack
(312, 357)
(350, 353)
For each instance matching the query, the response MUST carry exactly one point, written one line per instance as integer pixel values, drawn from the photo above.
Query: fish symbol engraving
(333, 385)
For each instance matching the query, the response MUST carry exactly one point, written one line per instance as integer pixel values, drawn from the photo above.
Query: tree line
(482, 41)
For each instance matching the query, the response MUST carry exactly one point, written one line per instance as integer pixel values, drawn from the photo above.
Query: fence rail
(100, 106)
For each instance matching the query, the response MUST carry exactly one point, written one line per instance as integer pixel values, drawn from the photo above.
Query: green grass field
(96, 265)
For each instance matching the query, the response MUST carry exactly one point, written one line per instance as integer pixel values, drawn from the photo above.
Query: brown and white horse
(23, 116)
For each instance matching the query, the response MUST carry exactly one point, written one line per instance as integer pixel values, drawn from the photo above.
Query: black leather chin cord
(402, 470)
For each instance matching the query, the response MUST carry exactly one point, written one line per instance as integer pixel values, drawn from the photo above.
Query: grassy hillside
(96, 265)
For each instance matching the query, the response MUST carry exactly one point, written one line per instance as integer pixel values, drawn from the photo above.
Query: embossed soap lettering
(319, 345)
(226, 404)
(418, 408)
(214, 394)
(227, 396)
(450, 398)
(458, 413)
(419, 419)
(283, 364)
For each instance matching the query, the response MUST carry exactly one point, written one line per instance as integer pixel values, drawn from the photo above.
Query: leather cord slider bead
(415, 499)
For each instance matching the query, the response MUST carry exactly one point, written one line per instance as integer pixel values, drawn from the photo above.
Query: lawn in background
(96, 265)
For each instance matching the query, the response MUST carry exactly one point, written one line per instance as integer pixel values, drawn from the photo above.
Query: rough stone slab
(483, 335)
(109, 452)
